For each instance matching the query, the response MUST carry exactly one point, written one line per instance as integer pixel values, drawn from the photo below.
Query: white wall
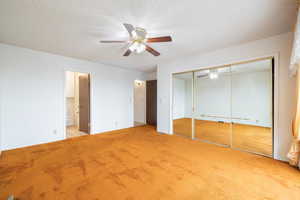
(70, 84)
(243, 95)
(252, 98)
(140, 101)
(151, 76)
(33, 99)
(213, 97)
(280, 45)
(178, 98)
(188, 108)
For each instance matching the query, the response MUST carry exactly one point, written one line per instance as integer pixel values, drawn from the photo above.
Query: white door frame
(275, 56)
(91, 131)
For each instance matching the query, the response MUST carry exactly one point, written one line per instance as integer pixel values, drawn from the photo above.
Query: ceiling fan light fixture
(138, 40)
(213, 74)
(133, 46)
(140, 48)
(137, 47)
(134, 34)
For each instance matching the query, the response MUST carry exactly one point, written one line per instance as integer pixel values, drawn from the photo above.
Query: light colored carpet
(140, 164)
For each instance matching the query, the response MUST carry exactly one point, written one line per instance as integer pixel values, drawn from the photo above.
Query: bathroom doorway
(77, 94)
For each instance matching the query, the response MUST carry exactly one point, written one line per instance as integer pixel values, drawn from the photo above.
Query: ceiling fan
(138, 40)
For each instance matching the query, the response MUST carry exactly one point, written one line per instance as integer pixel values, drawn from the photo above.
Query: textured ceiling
(74, 28)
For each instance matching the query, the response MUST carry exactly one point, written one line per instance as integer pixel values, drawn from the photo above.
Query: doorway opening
(151, 102)
(139, 103)
(145, 103)
(77, 98)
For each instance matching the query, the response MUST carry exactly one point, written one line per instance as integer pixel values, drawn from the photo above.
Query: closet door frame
(275, 96)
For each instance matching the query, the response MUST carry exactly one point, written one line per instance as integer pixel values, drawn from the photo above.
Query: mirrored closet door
(252, 112)
(230, 105)
(213, 105)
(182, 104)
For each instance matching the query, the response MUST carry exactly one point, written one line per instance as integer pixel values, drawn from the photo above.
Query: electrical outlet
(54, 131)
(116, 124)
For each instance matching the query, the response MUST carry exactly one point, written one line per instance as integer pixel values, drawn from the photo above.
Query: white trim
(193, 106)
(276, 57)
(171, 104)
(64, 99)
(276, 107)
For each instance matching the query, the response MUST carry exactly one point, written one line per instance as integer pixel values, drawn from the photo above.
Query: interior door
(151, 102)
(84, 103)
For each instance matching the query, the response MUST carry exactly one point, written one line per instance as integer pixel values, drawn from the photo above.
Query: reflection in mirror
(233, 106)
(182, 104)
(212, 105)
(252, 113)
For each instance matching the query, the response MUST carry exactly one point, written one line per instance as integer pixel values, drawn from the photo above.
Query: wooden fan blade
(127, 53)
(113, 41)
(129, 28)
(160, 39)
(152, 51)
